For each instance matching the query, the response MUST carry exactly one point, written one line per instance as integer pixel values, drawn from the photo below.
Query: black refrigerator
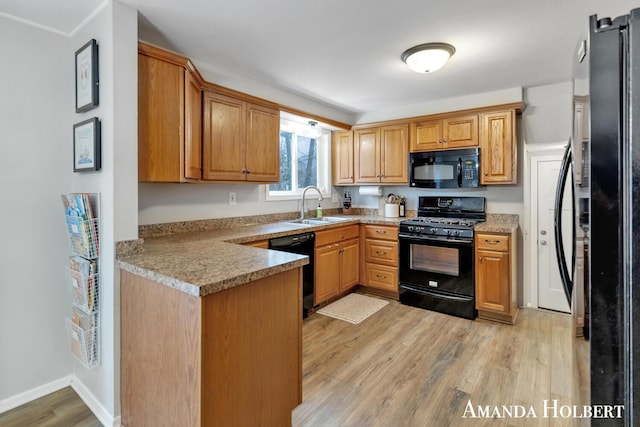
(613, 289)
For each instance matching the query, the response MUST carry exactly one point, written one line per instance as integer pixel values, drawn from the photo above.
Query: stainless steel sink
(306, 221)
(319, 221)
(333, 219)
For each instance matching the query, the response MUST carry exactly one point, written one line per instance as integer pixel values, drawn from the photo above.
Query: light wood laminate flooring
(63, 408)
(405, 366)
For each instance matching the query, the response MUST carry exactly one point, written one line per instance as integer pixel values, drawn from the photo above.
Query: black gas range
(437, 253)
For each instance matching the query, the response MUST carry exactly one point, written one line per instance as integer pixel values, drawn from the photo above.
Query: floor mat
(354, 308)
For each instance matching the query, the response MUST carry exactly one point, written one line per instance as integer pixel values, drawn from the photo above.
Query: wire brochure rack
(83, 284)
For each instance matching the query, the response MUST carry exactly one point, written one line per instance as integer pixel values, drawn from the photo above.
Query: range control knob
(455, 232)
(433, 230)
(411, 227)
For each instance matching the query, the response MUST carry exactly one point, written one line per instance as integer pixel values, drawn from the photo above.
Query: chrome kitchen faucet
(304, 192)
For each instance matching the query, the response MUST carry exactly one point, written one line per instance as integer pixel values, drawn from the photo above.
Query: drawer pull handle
(492, 242)
(381, 253)
(381, 231)
(380, 276)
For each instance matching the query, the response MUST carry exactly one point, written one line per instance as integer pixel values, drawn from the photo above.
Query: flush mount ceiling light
(428, 57)
(314, 130)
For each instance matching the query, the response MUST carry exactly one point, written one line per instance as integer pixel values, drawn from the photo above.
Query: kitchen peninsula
(210, 333)
(211, 329)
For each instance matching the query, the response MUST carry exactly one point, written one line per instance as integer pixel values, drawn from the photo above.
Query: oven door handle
(433, 294)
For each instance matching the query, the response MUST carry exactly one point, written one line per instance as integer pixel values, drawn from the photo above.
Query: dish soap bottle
(319, 211)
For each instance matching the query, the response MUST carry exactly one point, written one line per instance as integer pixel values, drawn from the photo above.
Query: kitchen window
(304, 159)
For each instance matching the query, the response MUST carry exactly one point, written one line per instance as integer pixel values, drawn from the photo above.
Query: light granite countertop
(204, 262)
(499, 223)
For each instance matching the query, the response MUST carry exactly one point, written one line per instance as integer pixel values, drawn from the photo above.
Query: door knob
(543, 242)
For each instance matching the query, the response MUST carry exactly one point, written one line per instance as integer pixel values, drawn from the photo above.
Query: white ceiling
(346, 53)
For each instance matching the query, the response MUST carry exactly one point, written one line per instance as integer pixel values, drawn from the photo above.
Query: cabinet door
(394, 154)
(192, 127)
(349, 268)
(263, 144)
(492, 281)
(224, 142)
(160, 120)
(342, 157)
(366, 147)
(498, 148)
(459, 132)
(426, 136)
(327, 272)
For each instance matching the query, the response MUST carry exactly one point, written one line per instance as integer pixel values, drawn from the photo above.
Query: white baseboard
(34, 393)
(107, 419)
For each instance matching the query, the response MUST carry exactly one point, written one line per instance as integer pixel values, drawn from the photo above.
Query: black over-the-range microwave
(445, 169)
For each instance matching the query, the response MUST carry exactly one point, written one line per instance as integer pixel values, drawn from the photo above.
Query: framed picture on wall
(86, 146)
(87, 77)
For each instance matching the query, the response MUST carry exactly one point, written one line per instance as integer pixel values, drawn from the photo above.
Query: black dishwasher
(300, 244)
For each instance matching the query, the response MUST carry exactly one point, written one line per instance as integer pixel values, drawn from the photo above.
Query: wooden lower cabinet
(233, 358)
(336, 259)
(496, 295)
(380, 258)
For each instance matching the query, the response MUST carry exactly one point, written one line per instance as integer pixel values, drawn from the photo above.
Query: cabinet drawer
(334, 235)
(263, 244)
(382, 277)
(382, 252)
(492, 242)
(381, 232)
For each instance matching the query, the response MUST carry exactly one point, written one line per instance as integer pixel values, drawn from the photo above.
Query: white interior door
(550, 291)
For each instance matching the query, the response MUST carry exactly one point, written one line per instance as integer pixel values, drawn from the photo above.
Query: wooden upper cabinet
(366, 153)
(263, 144)
(498, 150)
(240, 140)
(442, 134)
(193, 127)
(426, 136)
(394, 154)
(169, 118)
(224, 138)
(190, 130)
(342, 157)
(381, 154)
(460, 132)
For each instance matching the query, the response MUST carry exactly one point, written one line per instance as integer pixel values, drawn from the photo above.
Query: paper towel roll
(374, 190)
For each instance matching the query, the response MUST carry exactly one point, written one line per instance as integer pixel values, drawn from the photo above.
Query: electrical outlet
(334, 198)
(232, 197)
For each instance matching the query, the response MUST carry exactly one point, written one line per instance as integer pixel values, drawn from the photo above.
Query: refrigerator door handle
(557, 224)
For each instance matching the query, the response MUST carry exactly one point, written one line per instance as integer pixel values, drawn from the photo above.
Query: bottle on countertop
(402, 207)
(319, 211)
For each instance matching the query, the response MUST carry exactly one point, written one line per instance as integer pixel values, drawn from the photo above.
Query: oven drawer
(382, 277)
(381, 232)
(492, 242)
(382, 252)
